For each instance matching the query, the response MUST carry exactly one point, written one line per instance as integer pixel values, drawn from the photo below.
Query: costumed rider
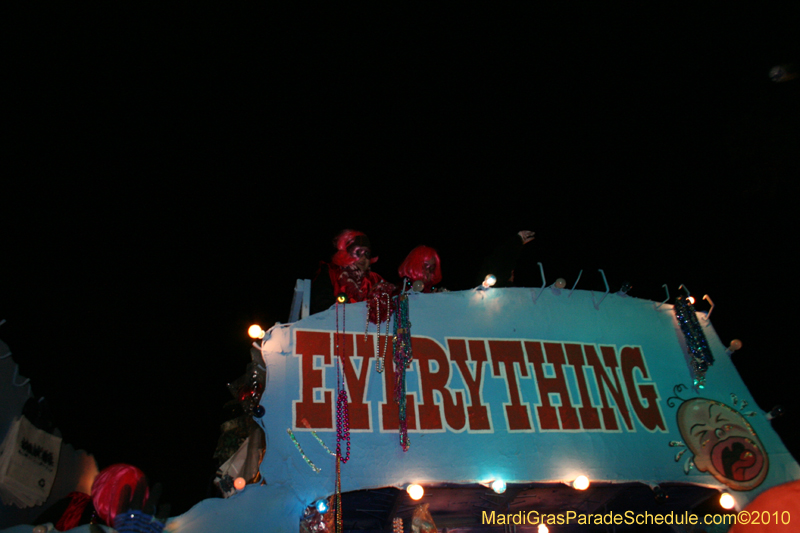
(503, 260)
(351, 276)
(421, 269)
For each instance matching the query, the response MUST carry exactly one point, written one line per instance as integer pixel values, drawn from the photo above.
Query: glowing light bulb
(239, 483)
(542, 529)
(342, 298)
(322, 506)
(581, 483)
(489, 281)
(499, 486)
(727, 501)
(415, 491)
(690, 299)
(255, 332)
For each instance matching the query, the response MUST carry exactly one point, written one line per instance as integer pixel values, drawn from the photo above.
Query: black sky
(171, 173)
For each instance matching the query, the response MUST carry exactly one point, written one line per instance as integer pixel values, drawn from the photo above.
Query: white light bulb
(727, 501)
(255, 332)
(415, 491)
(489, 281)
(499, 486)
(581, 483)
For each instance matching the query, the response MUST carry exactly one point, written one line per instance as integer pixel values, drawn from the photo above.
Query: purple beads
(342, 425)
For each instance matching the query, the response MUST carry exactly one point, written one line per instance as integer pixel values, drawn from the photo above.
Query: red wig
(345, 242)
(108, 485)
(413, 267)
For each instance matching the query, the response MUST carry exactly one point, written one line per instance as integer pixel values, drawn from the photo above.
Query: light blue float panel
(508, 384)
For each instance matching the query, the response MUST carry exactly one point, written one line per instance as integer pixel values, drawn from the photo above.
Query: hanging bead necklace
(342, 411)
(402, 361)
(342, 425)
(386, 335)
(308, 461)
(366, 323)
(342, 420)
(696, 341)
(337, 506)
(380, 356)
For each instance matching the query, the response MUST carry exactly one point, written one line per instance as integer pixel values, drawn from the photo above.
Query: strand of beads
(342, 411)
(403, 332)
(314, 433)
(341, 416)
(696, 341)
(366, 322)
(314, 467)
(339, 527)
(342, 425)
(397, 525)
(388, 319)
(383, 346)
(402, 361)
(379, 362)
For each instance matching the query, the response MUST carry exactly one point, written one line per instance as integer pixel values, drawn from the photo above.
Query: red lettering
(439, 408)
(590, 417)
(607, 384)
(476, 410)
(318, 414)
(509, 353)
(650, 416)
(558, 384)
(425, 351)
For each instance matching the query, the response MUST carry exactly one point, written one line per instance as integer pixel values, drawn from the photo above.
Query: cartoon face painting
(723, 443)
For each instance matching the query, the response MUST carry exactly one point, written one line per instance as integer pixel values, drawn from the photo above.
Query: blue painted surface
(630, 329)
(626, 454)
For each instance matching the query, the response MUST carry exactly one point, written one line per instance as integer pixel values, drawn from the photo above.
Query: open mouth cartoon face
(738, 458)
(723, 442)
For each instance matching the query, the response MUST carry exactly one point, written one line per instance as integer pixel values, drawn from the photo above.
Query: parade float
(496, 410)
(496, 404)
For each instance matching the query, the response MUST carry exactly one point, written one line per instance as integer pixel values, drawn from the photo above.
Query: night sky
(169, 175)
